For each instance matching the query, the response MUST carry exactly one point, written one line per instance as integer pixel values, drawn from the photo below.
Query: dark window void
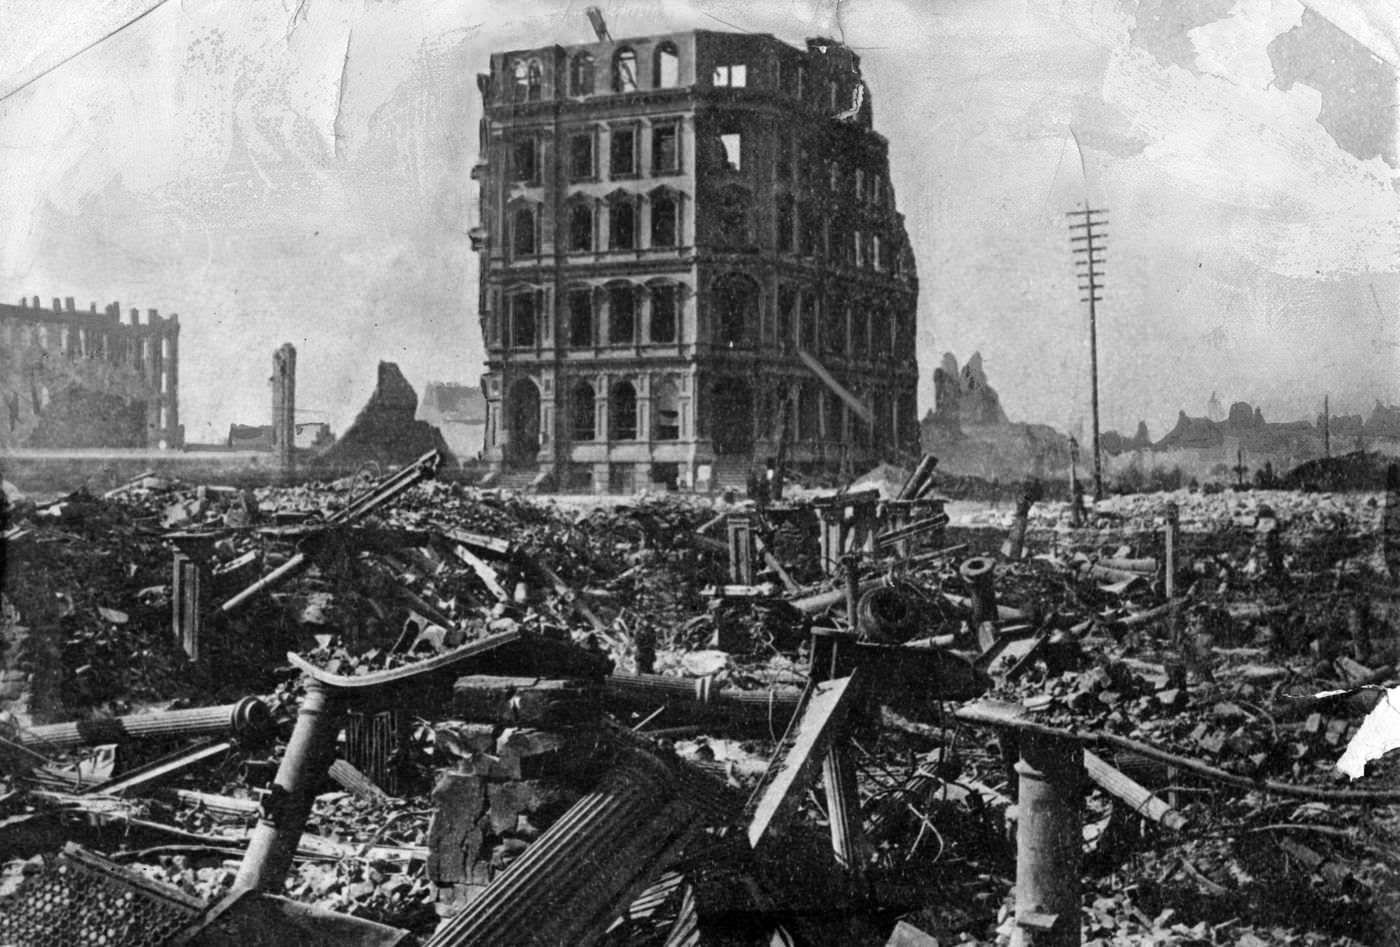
(520, 81)
(580, 227)
(731, 218)
(808, 329)
(581, 156)
(534, 82)
(666, 67)
(581, 318)
(581, 75)
(787, 316)
(522, 160)
(786, 224)
(622, 315)
(622, 230)
(625, 70)
(622, 407)
(860, 332)
(666, 407)
(583, 412)
(522, 225)
(665, 149)
(623, 152)
(663, 313)
(735, 302)
(664, 220)
(522, 320)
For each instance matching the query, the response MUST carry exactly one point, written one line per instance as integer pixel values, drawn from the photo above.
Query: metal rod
(306, 760)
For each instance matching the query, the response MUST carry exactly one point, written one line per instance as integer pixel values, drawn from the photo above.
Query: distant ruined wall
(83, 379)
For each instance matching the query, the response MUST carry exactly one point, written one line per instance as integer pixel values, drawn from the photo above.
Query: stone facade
(665, 222)
(83, 379)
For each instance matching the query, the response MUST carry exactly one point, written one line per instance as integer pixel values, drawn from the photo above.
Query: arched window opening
(622, 411)
(581, 75)
(663, 313)
(625, 70)
(666, 408)
(581, 318)
(534, 81)
(622, 230)
(584, 426)
(664, 219)
(622, 315)
(581, 227)
(735, 301)
(523, 232)
(666, 67)
(520, 81)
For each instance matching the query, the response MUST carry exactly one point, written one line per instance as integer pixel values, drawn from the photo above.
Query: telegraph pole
(1088, 238)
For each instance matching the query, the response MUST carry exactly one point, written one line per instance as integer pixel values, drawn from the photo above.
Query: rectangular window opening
(581, 156)
(731, 75)
(665, 153)
(733, 150)
(624, 151)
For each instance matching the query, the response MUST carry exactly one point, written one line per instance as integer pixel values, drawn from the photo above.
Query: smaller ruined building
(84, 379)
(386, 430)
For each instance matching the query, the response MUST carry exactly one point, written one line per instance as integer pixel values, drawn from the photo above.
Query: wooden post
(833, 538)
(1169, 540)
(1049, 838)
(187, 606)
(740, 549)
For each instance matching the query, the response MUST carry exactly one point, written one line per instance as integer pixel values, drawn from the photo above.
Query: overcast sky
(297, 170)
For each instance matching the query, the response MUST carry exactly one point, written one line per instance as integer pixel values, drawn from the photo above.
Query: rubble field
(400, 710)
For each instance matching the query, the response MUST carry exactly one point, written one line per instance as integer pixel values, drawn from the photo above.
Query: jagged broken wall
(385, 431)
(83, 379)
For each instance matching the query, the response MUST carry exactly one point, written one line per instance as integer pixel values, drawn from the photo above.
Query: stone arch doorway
(523, 423)
(731, 416)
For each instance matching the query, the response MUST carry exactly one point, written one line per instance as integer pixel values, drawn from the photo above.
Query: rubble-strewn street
(473, 717)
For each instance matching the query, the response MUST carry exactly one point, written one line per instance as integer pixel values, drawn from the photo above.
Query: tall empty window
(522, 160)
(663, 313)
(581, 227)
(785, 223)
(734, 304)
(622, 407)
(581, 75)
(666, 67)
(732, 75)
(583, 412)
(622, 315)
(520, 81)
(623, 152)
(664, 230)
(787, 306)
(624, 70)
(581, 318)
(666, 408)
(534, 81)
(665, 149)
(581, 156)
(522, 232)
(732, 150)
(622, 225)
(522, 320)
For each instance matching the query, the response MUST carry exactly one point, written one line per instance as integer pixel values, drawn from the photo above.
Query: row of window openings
(83, 343)
(858, 335)
(623, 160)
(622, 413)
(622, 318)
(622, 227)
(867, 186)
(528, 76)
(814, 238)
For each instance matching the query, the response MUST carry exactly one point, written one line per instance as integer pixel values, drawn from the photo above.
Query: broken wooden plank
(1141, 800)
(161, 770)
(822, 715)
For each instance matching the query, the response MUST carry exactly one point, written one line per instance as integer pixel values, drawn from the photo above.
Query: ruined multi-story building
(666, 223)
(84, 379)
